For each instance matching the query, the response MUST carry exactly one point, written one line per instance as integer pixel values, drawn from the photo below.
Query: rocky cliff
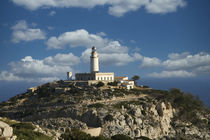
(137, 113)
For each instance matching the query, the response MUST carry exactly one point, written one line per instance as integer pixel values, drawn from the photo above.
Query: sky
(165, 42)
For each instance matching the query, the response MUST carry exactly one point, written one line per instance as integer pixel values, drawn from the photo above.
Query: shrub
(121, 137)
(23, 125)
(100, 84)
(109, 118)
(144, 138)
(76, 134)
(120, 104)
(25, 131)
(112, 83)
(188, 105)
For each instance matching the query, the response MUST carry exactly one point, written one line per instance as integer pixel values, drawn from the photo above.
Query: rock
(122, 123)
(129, 120)
(93, 131)
(138, 121)
(91, 118)
(0, 131)
(13, 137)
(7, 131)
(136, 112)
(137, 133)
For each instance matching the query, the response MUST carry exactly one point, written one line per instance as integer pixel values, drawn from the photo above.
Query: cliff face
(154, 114)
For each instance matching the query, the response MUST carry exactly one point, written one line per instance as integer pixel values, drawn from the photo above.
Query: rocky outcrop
(6, 131)
(153, 114)
(135, 123)
(93, 131)
(61, 124)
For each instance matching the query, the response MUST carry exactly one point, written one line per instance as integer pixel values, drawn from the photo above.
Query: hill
(64, 110)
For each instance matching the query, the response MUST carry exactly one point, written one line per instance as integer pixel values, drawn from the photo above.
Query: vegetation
(100, 84)
(109, 118)
(187, 104)
(76, 134)
(120, 104)
(112, 83)
(25, 131)
(121, 137)
(135, 78)
(144, 138)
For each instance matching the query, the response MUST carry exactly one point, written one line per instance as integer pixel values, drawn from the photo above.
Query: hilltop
(61, 109)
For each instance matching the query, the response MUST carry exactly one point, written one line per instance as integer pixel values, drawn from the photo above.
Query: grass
(76, 134)
(25, 131)
(120, 104)
(9, 122)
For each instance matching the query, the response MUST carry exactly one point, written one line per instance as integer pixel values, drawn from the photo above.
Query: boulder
(7, 131)
(93, 131)
(0, 131)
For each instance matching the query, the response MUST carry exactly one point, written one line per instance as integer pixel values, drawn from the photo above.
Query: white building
(94, 74)
(128, 84)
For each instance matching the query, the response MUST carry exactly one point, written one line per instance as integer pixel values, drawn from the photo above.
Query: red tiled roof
(119, 77)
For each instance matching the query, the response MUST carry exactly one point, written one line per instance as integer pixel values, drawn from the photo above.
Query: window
(98, 78)
(110, 78)
(107, 78)
(101, 78)
(104, 78)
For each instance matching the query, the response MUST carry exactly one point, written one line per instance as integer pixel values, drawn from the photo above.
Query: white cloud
(48, 69)
(117, 59)
(52, 13)
(62, 59)
(133, 41)
(119, 8)
(164, 6)
(76, 38)
(50, 27)
(204, 70)
(183, 63)
(174, 56)
(188, 61)
(172, 74)
(111, 52)
(7, 76)
(116, 8)
(21, 32)
(102, 34)
(111, 58)
(150, 62)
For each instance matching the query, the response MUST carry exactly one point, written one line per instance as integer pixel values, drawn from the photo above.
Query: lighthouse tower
(94, 66)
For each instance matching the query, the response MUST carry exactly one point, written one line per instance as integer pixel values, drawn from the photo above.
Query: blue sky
(165, 42)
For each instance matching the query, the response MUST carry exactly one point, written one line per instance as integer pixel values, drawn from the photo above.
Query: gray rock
(7, 131)
(138, 121)
(1, 131)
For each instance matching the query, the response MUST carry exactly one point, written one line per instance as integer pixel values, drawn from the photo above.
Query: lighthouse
(94, 76)
(94, 65)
